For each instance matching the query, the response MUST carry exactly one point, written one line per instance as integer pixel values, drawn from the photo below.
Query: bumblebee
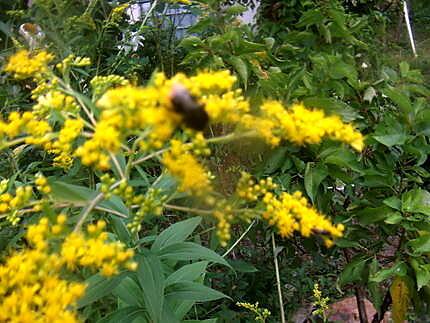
(193, 113)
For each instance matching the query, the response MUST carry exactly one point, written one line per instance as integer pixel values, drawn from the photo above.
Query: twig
(240, 238)
(379, 316)
(278, 280)
(361, 306)
(187, 209)
(91, 206)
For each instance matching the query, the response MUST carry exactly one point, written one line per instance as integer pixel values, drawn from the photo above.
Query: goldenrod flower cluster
(248, 189)
(193, 177)
(100, 84)
(224, 219)
(95, 252)
(303, 126)
(62, 147)
(290, 213)
(43, 87)
(106, 138)
(261, 314)
(117, 12)
(320, 302)
(149, 204)
(42, 184)
(10, 204)
(72, 60)
(17, 124)
(32, 288)
(54, 101)
(24, 64)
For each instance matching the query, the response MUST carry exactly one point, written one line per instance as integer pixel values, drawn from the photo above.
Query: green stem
(278, 279)
(93, 204)
(240, 238)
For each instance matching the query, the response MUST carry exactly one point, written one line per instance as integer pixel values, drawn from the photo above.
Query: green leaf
(192, 291)
(314, 175)
(269, 41)
(129, 292)
(401, 100)
(190, 42)
(98, 287)
(420, 245)
(399, 269)
(394, 218)
(177, 232)
(190, 251)
(404, 69)
(242, 266)
(353, 271)
(374, 288)
(390, 132)
(275, 160)
(416, 201)
(333, 106)
(393, 202)
(201, 321)
(188, 272)
(422, 273)
(151, 279)
(345, 243)
(64, 192)
(235, 9)
(240, 67)
(341, 157)
(125, 315)
(374, 214)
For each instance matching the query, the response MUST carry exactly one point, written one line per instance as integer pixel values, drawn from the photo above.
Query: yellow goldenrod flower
(24, 64)
(303, 126)
(62, 147)
(55, 101)
(32, 288)
(290, 213)
(184, 166)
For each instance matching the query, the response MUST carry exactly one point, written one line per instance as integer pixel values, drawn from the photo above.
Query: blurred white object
(32, 34)
(131, 42)
(408, 26)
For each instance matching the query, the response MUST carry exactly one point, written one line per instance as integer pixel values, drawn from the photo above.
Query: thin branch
(240, 239)
(187, 209)
(278, 279)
